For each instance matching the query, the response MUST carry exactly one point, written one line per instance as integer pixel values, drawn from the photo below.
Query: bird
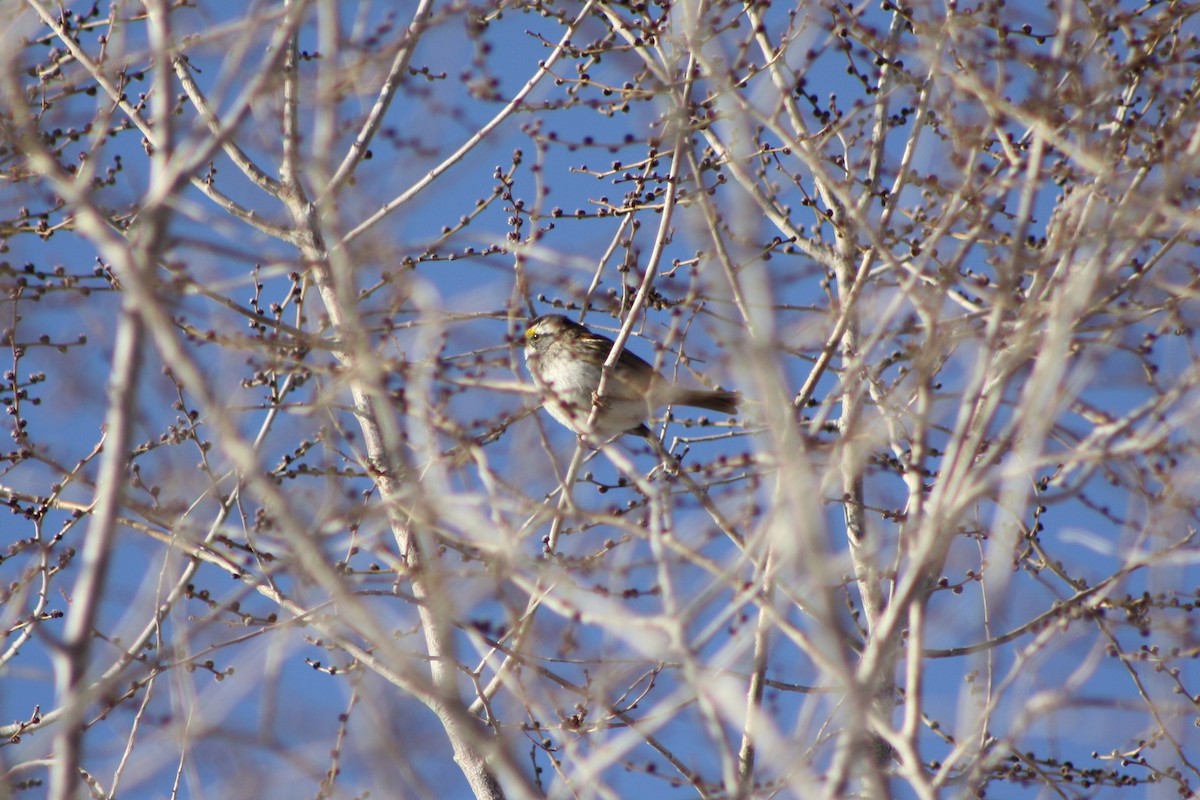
(566, 360)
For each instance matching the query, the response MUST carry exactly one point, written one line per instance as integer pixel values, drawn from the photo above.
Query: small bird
(566, 361)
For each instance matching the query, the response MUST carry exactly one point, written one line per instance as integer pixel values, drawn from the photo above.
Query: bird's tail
(722, 401)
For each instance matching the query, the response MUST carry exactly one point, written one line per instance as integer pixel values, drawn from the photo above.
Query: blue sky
(274, 701)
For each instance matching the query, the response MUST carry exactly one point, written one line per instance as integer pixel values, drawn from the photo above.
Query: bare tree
(287, 519)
